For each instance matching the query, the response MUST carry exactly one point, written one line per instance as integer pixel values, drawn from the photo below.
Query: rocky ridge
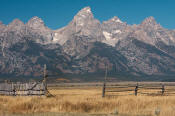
(86, 46)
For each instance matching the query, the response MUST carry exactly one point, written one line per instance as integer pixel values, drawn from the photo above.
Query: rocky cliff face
(37, 27)
(85, 46)
(114, 30)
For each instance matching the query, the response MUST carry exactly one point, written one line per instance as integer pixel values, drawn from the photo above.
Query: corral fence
(22, 89)
(152, 89)
(141, 88)
(25, 89)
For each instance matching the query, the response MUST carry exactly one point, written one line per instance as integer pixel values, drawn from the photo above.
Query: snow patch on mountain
(118, 21)
(117, 31)
(109, 39)
(107, 35)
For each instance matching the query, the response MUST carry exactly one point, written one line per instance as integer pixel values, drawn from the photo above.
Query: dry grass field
(87, 100)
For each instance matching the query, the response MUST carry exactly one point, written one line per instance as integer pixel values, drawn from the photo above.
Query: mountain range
(86, 47)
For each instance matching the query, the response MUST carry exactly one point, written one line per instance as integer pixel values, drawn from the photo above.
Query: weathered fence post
(45, 79)
(136, 89)
(103, 91)
(14, 89)
(163, 89)
(104, 84)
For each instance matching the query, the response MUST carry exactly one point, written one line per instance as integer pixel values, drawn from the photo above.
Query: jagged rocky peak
(16, 22)
(85, 12)
(116, 20)
(150, 21)
(16, 25)
(83, 24)
(83, 16)
(35, 22)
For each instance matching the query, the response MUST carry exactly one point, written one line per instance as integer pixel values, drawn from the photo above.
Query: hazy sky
(58, 13)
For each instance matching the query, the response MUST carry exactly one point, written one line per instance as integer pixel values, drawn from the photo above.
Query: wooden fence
(26, 89)
(22, 89)
(158, 89)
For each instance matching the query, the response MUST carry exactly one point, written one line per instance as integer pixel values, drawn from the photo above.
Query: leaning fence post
(45, 79)
(136, 89)
(104, 84)
(163, 89)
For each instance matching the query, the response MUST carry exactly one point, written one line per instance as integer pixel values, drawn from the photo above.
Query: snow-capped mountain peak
(82, 16)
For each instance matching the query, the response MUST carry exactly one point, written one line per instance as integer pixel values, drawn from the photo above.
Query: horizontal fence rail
(138, 89)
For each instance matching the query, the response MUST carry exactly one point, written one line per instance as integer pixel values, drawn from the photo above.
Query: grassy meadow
(87, 101)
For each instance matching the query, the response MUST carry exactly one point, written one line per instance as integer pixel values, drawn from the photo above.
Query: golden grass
(88, 100)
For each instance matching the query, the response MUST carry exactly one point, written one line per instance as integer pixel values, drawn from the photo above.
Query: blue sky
(58, 13)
